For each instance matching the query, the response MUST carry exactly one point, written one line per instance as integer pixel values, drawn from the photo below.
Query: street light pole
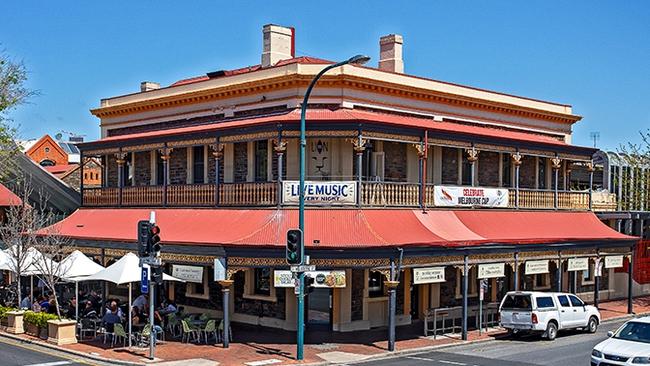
(358, 60)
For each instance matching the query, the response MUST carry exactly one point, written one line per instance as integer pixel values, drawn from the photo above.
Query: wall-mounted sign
(326, 279)
(428, 275)
(491, 270)
(536, 267)
(451, 196)
(219, 269)
(578, 264)
(614, 261)
(188, 273)
(320, 193)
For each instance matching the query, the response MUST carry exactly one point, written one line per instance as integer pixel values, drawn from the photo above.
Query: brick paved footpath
(253, 344)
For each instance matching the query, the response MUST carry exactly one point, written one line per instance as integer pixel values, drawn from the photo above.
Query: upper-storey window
(449, 165)
(160, 169)
(506, 170)
(466, 170)
(127, 170)
(541, 173)
(198, 164)
(261, 160)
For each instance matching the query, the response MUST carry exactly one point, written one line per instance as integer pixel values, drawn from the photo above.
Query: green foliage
(38, 319)
(635, 177)
(3, 312)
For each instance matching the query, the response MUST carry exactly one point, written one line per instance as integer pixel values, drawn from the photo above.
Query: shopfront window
(375, 284)
(262, 282)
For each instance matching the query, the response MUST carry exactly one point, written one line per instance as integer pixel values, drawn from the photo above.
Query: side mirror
(610, 334)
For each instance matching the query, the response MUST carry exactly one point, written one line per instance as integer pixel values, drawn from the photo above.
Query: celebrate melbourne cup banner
(450, 196)
(320, 193)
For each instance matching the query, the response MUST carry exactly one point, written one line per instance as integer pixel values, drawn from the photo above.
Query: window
(261, 160)
(542, 281)
(544, 302)
(472, 283)
(160, 169)
(466, 170)
(375, 284)
(518, 302)
(127, 170)
(541, 173)
(588, 275)
(47, 162)
(262, 281)
(575, 301)
(198, 164)
(564, 302)
(506, 170)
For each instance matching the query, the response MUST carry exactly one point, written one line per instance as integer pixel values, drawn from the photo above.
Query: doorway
(319, 309)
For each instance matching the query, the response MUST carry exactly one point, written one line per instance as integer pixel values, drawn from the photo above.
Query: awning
(344, 228)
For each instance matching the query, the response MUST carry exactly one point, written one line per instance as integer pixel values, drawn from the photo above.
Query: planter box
(15, 322)
(62, 332)
(32, 329)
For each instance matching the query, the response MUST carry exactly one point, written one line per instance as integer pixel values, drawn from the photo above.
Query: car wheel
(551, 331)
(592, 326)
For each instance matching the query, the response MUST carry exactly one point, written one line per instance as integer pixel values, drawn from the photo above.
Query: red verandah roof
(346, 115)
(343, 228)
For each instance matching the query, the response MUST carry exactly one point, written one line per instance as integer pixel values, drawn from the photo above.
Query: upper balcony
(253, 162)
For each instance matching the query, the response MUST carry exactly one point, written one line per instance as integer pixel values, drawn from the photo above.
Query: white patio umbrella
(76, 267)
(7, 262)
(126, 270)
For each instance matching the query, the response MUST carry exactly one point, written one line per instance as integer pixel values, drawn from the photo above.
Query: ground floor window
(375, 284)
(472, 283)
(259, 284)
(542, 281)
(199, 290)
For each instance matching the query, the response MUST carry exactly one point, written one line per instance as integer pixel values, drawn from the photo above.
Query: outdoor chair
(220, 332)
(87, 326)
(204, 317)
(173, 325)
(145, 336)
(119, 332)
(211, 329)
(188, 332)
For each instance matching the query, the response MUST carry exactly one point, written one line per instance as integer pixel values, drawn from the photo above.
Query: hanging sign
(491, 270)
(578, 264)
(188, 273)
(320, 193)
(428, 275)
(451, 196)
(323, 279)
(536, 267)
(614, 261)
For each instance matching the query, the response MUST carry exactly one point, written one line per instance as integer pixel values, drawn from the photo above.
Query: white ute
(546, 313)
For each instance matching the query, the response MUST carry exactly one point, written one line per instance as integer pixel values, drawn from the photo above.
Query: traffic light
(294, 247)
(143, 238)
(309, 284)
(157, 275)
(154, 239)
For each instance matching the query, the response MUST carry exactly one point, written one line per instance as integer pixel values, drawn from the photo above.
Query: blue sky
(592, 55)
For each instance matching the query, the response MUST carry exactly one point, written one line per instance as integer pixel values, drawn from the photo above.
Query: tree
(635, 164)
(12, 94)
(35, 246)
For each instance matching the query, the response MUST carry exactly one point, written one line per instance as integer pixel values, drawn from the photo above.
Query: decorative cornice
(143, 147)
(280, 147)
(472, 154)
(195, 142)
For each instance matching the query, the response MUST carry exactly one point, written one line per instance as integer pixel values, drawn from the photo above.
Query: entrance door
(319, 309)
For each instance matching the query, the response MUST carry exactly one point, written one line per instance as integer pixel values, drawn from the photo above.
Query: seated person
(110, 319)
(45, 305)
(89, 311)
(26, 303)
(114, 309)
(72, 309)
(136, 316)
(36, 306)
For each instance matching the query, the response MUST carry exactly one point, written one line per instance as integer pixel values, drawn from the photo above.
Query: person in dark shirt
(89, 311)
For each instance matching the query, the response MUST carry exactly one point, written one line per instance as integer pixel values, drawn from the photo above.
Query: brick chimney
(149, 85)
(390, 53)
(279, 44)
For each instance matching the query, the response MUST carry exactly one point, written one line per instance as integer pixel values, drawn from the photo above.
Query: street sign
(144, 281)
(303, 268)
(219, 269)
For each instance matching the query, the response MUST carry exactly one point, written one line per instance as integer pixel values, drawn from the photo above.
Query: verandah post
(359, 147)
(516, 271)
(559, 271)
(516, 160)
(392, 299)
(217, 153)
(556, 164)
(119, 159)
(465, 284)
(280, 148)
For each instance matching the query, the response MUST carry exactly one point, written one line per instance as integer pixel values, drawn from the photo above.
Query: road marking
(452, 362)
(420, 358)
(56, 363)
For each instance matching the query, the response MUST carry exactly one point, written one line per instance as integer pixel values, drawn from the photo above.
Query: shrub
(38, 319)
(3, 312)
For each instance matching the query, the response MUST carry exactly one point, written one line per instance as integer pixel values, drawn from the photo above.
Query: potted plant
(61, 331)
(3, 316)
(37, 323)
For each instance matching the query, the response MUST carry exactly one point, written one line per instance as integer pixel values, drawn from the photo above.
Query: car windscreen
(634, 331)
(544, 302)
(517, 302)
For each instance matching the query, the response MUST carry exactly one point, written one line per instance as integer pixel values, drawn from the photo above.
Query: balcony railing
(371, 194)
